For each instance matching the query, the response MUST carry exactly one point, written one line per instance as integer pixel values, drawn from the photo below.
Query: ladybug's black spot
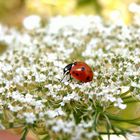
(77, 74)
(74, 73)
(88, 78)
(82, 69)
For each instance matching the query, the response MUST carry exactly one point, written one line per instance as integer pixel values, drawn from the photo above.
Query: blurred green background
(12, 12)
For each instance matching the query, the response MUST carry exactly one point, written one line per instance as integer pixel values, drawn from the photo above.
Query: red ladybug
(79, 71)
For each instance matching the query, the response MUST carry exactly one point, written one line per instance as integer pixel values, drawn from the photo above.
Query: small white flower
(32, 22)
(40, 77)
(51, 57)
(66, 83)
(62, 103)
(2, 90)
(55, 113)
(134, 84)
(6, 68)
(30, 117)
(39, 104)
(16, 96)
(15, 108)
(110, 98)
(73, 96)
(119, 103)
(51, 113)
(66, 127)
(29, 99)
(134, 7)
(41, 114)
(122, 106)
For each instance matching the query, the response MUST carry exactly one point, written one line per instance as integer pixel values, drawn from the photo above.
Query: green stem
(125, 130)
(100, 137)
(131, 101)
(108, 126)
(112, 133)
(131, 121)
(95, 121)
(127, 97)
(24, 135)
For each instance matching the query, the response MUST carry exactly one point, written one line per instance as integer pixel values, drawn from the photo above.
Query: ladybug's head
(67, 69)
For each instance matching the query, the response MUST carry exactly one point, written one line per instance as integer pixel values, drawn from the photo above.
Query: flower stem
(24, 135)
(131, 121)
(112, 133)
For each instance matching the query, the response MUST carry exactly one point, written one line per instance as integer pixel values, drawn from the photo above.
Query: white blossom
(66, 127)
(73, 96)
(55, 113)
(15, 108)
(30, 117)
(32, 22)
(119, 103)
(40, 77)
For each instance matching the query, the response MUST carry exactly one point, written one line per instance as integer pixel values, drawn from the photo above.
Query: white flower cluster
(32, 66)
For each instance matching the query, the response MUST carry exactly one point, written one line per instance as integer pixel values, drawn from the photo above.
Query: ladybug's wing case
(81, 72)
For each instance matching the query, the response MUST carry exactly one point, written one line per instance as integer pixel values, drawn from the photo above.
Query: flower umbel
(32, 96)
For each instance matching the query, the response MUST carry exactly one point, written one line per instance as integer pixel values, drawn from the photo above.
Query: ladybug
(79, 71)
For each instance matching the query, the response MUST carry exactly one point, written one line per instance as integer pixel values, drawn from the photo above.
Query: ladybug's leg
(63, 78)
(70, 78)
(65, 74)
